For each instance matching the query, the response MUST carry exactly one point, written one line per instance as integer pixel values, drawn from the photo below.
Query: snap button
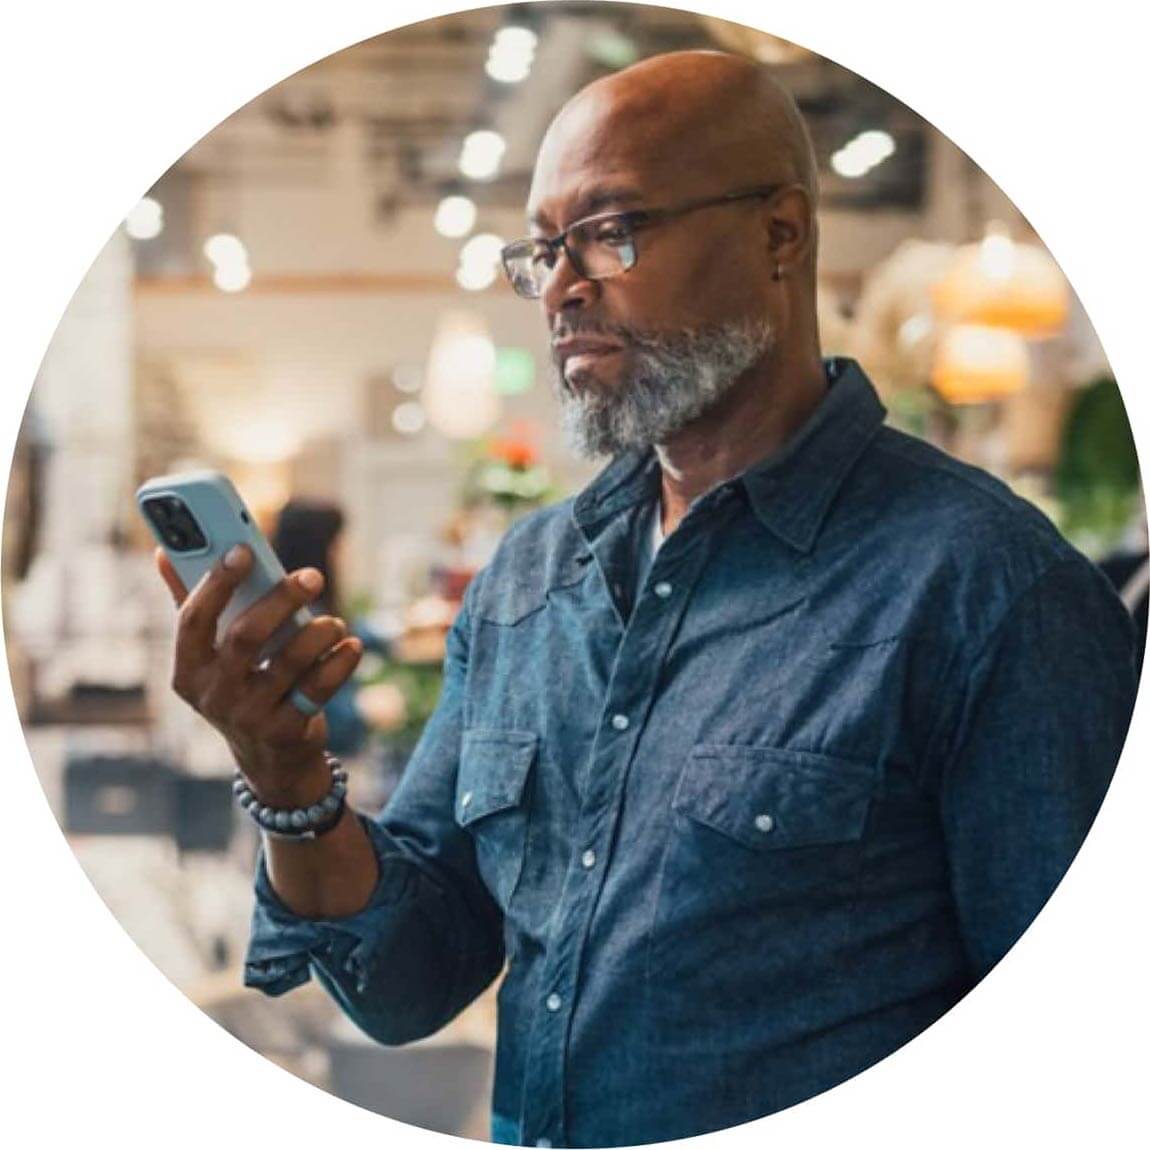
(764, 823)
(620, 722)
(662, 590)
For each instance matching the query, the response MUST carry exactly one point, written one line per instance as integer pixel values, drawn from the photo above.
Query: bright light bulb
(864, 152)
(475, 276)
(513, 38)
(224, 248)
(512, 54)
(146, 220)
(232, 277)
(849, 163)
(455, 216)
(996, 256)
(407, 377)
(482, 154)
(409, 418)
(508, 69)
(483, 249)
(877, 145)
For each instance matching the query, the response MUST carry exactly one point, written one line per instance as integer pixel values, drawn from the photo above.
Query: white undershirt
(650, 542)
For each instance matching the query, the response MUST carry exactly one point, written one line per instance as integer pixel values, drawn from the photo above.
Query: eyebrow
(595, 202)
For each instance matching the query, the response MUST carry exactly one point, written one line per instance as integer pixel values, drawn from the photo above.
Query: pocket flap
(771, 798)
(493, 768)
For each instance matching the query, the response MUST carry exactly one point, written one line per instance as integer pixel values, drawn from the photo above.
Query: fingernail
(310, 580)
(234, 559)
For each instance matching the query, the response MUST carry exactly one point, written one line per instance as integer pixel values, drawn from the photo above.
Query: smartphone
(197, 517)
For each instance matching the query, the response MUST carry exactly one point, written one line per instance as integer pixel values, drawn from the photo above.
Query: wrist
(300, 817)
(296, 786)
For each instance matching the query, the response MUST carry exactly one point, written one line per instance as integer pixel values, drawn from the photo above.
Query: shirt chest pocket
(756, 825)
(490, 803)
(771, 798)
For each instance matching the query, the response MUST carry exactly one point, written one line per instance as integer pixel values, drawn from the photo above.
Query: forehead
(593, 158)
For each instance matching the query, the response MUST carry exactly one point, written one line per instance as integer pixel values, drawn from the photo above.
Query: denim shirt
(742, 834)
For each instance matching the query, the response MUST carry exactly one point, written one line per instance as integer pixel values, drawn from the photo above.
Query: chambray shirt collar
(791, 490)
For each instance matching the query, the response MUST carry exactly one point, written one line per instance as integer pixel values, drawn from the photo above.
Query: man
(752, 758)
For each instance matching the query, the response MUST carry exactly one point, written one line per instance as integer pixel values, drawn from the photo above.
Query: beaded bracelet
(297, 822)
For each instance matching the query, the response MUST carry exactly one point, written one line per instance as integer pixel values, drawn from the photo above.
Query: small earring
(778, 272)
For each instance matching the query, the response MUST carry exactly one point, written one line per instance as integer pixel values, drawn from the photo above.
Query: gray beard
(676, 379)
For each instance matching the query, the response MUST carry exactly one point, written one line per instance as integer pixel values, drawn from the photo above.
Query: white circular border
(100, 99)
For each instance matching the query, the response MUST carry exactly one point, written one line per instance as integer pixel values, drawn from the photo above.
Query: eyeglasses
(600, 246)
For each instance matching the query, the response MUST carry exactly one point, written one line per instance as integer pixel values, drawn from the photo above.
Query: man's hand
(277, 747)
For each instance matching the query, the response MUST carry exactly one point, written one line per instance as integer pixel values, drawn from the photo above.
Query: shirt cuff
(284, 944)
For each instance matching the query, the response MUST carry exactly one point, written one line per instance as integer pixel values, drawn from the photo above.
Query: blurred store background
(309, 299)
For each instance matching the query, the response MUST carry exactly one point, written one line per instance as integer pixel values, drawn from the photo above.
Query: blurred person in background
(752, 758)
(309, 533)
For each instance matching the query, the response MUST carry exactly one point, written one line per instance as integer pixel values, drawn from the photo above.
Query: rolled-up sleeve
(1038, 732)
(430, 938)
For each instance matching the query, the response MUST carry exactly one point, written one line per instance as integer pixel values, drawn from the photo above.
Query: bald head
(696, 121)
(697, 106)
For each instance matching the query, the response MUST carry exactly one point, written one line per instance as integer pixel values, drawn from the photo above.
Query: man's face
(640, 355)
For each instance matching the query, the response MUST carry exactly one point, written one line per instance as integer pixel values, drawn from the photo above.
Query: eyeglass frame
(635, 220)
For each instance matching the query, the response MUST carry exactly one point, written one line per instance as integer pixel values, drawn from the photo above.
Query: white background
(98, 99)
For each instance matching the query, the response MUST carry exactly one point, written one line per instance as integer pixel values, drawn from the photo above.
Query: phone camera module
(174, 524)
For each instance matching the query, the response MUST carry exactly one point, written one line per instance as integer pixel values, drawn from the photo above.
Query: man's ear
(790, 230)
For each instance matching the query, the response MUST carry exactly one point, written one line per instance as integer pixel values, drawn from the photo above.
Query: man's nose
(565, 289)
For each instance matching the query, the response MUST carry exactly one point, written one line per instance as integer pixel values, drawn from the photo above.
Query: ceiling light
(407, 377)
(865, 151)
(508, 69)
(146, 220)
(459, 398)
(475, 276)
(482, 154)
(224, 248)
(409, 418)
(484, 249)
(455, 216)
(513, 38)
(512, 54)
(232, 277)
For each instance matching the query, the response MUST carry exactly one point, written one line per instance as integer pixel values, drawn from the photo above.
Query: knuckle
(331, 627)
(181, 686)
(244, 635)
(189, 614)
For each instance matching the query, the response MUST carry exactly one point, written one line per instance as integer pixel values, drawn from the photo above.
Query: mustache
(569, 329)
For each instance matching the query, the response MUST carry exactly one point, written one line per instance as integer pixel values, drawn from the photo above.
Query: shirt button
(662, 590)
(620, 722)
(554, 1002)
(588, 859)
(764, 823)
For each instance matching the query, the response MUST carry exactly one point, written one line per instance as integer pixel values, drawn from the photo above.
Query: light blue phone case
(224, 521)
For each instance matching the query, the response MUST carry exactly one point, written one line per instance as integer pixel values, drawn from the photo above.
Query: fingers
(168, 574)
(318, 684)
(249, 632)
(202, 606)
(269, 687)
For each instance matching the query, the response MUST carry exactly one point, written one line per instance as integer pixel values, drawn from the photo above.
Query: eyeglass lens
(598, 249)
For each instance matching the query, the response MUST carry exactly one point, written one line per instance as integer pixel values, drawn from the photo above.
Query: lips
(567, 349)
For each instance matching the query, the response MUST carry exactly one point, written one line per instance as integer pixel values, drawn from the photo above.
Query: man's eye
(541, 254)
(612, 232)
